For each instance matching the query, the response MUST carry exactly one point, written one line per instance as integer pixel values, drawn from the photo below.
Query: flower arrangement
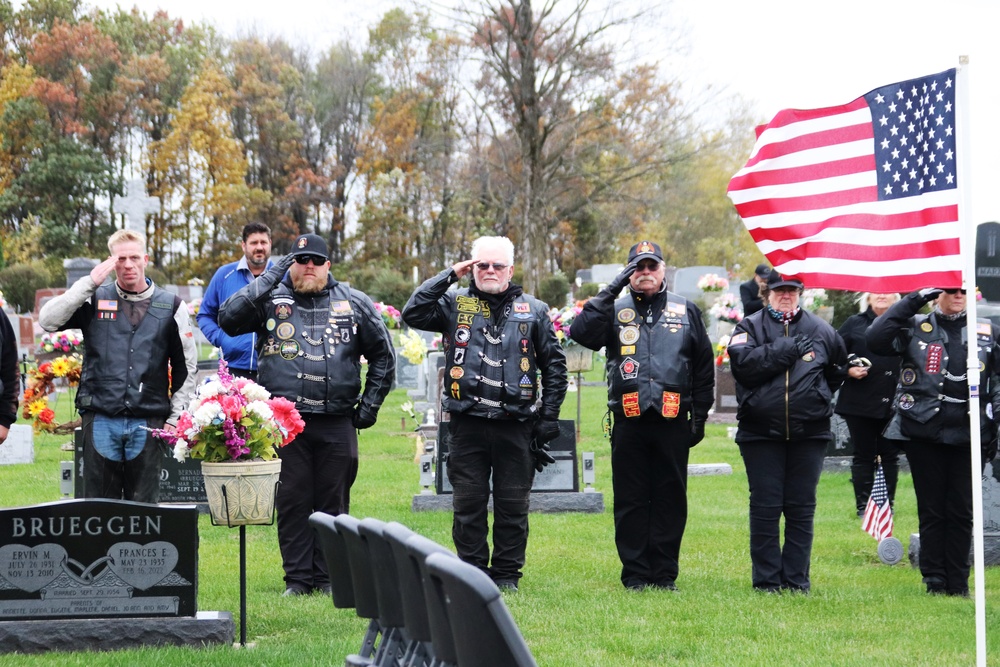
(414, 349)
(40, 383)
(233, 419)
(196, 282)
(66, 342)
(562, 320)
(722, 351)
(194, 305)
(389, 314)
(711, 282)
(813, 299)
(726, 308)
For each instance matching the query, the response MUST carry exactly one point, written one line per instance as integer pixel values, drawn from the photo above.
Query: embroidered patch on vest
(107, 304)
(340, 307)
(629, 368)
(906, 402)
(456, 372)
(289, 349)
(282, 311)
(630, 404)
(926, 327)
(907, 376)
(671, 404)
(462, 335)
(464, 318)
(285, 330)
(626, 315)
(628, 335)
(522, 307)
(627, 349)
(934, 353)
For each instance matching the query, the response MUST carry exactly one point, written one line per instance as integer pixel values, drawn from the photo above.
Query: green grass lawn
(572, 608)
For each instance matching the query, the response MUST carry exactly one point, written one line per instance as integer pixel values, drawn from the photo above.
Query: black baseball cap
(310, 244)
(776, 280)
(644, 250)
(763, 270)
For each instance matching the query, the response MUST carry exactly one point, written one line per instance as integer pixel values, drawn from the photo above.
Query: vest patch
(522, 308)
(628, 335)
(107, 304)
(676, 308)
(626, 315)
(627, 349)
(340, 307)
(671, 404)
(629, 368)
(282, 311)
(107, 315)
(630, 404)
(464, 318)
(285, 330)
(934, 353)
(907, 376)
(158, 304)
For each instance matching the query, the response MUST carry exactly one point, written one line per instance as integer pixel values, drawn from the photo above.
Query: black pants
(649, 458)
(942, 481)
(318, 469)
(866, 436)
(479, 447)
(783, 477)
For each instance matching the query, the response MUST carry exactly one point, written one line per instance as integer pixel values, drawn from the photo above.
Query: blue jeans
(121, 460)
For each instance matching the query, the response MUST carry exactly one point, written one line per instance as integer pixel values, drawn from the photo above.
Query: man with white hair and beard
(311, 333)
(500, 349)
(661, 384)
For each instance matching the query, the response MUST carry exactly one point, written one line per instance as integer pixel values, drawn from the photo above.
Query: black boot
(863, 477)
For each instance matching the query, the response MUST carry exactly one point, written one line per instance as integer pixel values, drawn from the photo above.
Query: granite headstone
(98, 559)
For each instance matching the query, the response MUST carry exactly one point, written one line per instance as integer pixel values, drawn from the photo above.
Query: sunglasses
(305, 259)
(485, 266)
(954, 291)
(647, 266)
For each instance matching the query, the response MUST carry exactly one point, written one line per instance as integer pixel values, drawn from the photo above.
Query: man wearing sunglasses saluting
(498, 341)
(931, 420)
(311, 332)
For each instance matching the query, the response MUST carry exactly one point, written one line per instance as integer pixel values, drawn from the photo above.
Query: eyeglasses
(485, 266)
(305, 259)
(954, 291)
(647, 266)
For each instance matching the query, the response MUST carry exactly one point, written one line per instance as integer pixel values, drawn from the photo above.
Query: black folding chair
(335, 553)
(420, 548)
(484, 632)
(390, 603)
(420, 652)
(363, 584)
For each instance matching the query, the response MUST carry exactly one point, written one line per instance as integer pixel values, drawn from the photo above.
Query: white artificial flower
(206, 413)
(254, 392)
(210, 389)
(261, 409)
(181, 450)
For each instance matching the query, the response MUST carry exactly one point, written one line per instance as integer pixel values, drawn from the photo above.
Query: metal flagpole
(968, 243)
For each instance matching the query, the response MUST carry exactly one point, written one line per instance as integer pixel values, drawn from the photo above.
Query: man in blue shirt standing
(238, 351)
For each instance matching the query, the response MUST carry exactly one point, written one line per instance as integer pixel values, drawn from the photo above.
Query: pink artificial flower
(288, 418)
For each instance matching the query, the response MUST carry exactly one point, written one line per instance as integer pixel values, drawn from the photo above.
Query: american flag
(861, 196)
(877, 521)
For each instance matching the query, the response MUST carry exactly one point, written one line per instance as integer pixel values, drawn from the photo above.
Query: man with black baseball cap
(311, 332)
(661, 382)
(750, 290)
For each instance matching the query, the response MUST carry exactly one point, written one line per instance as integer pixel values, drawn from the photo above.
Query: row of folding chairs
(425, 607)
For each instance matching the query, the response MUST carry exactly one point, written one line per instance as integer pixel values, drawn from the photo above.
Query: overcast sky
(778, 53)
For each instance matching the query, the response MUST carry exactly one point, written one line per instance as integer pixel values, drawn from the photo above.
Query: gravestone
(558, 476)
(410, 376)
(988, 260)
(98, 558)
(19, 447)
(180, 481)
(991, 513)
(78, 267)
(725, 391)
(100, 575)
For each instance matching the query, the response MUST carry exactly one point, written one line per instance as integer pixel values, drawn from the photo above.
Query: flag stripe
(877, 520)
(859, 194)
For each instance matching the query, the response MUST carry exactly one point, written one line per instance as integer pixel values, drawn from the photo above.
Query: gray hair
(504, 242)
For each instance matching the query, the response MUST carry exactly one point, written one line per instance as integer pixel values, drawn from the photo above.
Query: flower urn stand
(578, 360)
(241, 493)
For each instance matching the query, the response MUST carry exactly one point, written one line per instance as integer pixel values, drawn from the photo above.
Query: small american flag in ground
(877, 521)
(861, 196)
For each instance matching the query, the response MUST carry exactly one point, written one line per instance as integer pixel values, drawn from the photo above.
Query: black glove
(363, 417)
(697, 431)
(803, 344)
(621, 279)
(860, 362)
(266, 282)
(541, 455)
(928, 294)
(545, 431)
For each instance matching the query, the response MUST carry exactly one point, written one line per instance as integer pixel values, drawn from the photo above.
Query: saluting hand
(101, 272)
(463, 269)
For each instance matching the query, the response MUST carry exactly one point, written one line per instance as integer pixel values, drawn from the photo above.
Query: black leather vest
(125, 368)
(492, 374)
(310, 353)
(649, 367)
